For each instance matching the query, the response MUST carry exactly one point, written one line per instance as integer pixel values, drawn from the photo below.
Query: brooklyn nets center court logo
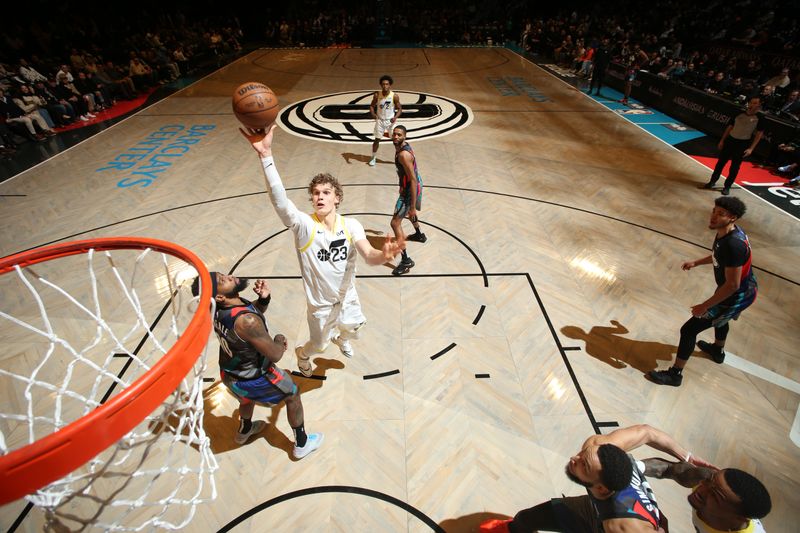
(345, 117)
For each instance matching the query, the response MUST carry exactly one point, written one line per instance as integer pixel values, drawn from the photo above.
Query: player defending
(385, 108)
(410, 199)
(324, 241)
(619, 498)
(721, 500)
(736, 290)
(247, 358)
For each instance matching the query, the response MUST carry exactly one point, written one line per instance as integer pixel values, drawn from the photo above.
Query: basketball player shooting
(324, 241)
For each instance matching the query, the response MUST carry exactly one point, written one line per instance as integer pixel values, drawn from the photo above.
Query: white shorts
(322, 326)
(382, 126)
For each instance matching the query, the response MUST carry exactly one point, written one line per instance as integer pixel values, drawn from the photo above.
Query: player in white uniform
(385, 108)
(721, 500)
(324, 241)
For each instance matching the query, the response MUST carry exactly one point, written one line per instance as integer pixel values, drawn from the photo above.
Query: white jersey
(754, 526)
(385, 107)
(327, 259)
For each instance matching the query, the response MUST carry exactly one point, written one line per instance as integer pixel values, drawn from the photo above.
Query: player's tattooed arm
(251, 329)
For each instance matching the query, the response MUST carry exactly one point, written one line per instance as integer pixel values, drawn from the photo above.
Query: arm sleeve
(285, 208)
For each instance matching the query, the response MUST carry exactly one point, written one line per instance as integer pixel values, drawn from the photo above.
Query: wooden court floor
(549, 284)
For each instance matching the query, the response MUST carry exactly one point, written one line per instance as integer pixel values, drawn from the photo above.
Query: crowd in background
(67, 67)
(54, 74)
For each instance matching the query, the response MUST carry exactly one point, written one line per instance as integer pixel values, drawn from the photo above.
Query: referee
(739, 140)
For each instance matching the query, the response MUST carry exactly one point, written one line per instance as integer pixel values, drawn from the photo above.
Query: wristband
(264, 301)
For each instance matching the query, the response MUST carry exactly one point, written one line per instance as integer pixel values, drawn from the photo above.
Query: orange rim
(50, 458)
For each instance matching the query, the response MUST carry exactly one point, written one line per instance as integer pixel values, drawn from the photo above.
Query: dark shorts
(403, 203)
(270, 388)
(720, 314)
(576, 514)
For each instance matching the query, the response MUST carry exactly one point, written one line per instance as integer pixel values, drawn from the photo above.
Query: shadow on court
(607, 344)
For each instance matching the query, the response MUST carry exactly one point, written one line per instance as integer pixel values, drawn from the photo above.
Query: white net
(70, 346)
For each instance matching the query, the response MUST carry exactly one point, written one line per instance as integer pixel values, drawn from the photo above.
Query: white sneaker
(84, 119)
(303, 363)
(314, 441)
(786, 168)
(372, 162)
(257, 427)
(90, 115)
(344, 346)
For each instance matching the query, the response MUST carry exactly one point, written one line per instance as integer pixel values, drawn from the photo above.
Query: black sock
(675, 370)
(418, 232)
(300, 436)
(245, 424)
(404, 256)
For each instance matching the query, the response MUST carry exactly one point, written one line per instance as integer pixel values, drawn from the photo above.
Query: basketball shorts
(576, 514)
(383, 126)
(720, 314)
(270, 388)
(403, 203)
(324, 321)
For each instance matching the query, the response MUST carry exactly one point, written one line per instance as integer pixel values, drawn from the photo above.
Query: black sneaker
(417, 237)
(716, 353)
(665, 377)
(707, 186)
(726, 191)
(403, 267)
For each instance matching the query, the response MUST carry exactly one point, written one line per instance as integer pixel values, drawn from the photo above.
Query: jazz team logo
(345, 117)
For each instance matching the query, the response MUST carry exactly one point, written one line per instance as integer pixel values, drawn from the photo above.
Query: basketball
(255, 105)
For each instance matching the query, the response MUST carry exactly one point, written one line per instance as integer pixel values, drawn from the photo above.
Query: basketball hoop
(93, 394)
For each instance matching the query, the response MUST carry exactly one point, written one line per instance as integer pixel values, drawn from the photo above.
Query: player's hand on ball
(260, 139)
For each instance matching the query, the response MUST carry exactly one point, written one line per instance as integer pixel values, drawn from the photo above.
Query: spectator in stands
(719, 85)
(690, 76)
(142, 74)
(780, 81)
(769, 100)
(77, 60)
(28, 73)
(119, 76)
(30, 103)
(64, 72)
(66, 92)
(61, 110)
(790, 107)
(13, 114)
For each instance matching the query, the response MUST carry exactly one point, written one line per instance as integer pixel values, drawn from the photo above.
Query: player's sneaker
(707, 186)
(666, 377)
(303, 362)
(314, 441)
(417, 237)
(494, 526)
(403, 267)
(344, 346)
(371, 162)
(256, 427)
(726, 191)
(716, 353)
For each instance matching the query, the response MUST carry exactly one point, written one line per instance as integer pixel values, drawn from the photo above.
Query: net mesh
(69, 347)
